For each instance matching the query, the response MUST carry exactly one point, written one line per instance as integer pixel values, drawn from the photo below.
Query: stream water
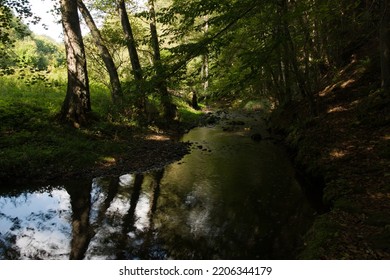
(230, 198)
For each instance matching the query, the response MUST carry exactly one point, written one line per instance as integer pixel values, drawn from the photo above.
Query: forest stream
(234, 196)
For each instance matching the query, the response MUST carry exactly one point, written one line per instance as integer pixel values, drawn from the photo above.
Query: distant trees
(11, 29)
(23, 53)
(37, 52)
(9, 22)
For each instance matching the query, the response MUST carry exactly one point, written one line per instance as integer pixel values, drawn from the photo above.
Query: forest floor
(35, 150)
(348, 146)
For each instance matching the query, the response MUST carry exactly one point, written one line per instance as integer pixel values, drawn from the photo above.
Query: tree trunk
(134, 59)
(166, 100)
(205, 72)
(385, 46)
(205, 60)
(116, 89)
(77, 102)
(153, 32)
(291, 53)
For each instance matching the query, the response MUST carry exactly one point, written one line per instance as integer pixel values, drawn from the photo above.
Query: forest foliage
(321, 69)
(271, 51)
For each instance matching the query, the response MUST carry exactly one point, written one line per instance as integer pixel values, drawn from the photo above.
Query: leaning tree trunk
(77, 101)
(116, 89)
(166, 100)
(134, 59)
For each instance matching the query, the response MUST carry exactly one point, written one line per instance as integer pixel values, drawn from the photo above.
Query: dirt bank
(97, 152)
(348, 146)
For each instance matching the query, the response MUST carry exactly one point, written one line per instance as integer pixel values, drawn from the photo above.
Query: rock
(229, 128)
(212, 120)
(236, 123)
(256, 137)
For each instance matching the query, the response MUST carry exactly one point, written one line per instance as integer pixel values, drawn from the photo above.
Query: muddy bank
(129, 152)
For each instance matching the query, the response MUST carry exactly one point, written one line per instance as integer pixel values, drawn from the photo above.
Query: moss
(318, 239)
(347, 205)
(336, 189)
(256, 105)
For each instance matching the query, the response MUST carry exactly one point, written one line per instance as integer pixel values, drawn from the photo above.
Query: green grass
(34, 144)
(186, 113)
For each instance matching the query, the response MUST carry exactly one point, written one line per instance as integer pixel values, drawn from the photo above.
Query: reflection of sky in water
(141, 213)
(97, 198)
(37, 223)
(126, 180)
(108, 226)
(104, 244)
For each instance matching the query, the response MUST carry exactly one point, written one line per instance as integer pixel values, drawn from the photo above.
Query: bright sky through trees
(49, 25)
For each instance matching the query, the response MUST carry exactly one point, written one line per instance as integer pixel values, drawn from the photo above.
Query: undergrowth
(34, 144)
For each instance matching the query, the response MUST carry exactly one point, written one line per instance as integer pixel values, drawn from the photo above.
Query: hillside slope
(348, 146)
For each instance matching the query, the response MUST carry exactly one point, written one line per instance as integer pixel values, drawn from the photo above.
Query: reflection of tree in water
(135, 238)
(80, 200)
(150, 248)
(129, 218)
(99, 229)
(182, 224)
(113, 188)
(8, 248)
(196, 223)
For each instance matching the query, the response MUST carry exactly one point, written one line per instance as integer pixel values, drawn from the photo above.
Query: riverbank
(35, 148)
(347, 147)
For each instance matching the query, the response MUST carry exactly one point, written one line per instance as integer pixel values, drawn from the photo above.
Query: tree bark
(205, 72)
(116, 89)
(131, 46)
(153, 32)
(166, 100)
(77, 102)
(205, 60)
